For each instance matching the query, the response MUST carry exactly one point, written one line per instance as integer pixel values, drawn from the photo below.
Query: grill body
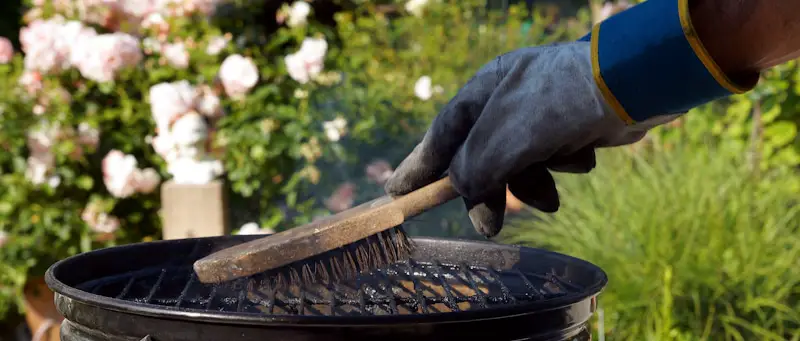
(450, 289)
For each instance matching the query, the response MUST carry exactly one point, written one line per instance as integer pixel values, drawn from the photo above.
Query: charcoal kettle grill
(450, 289)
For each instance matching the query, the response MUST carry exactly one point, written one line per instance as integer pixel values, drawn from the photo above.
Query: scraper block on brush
(327, 247)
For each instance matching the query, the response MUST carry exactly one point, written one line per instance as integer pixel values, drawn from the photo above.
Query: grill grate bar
(503, 288)
(156, 286)
(333, 304)
(211, 296)
(529, 285)
(418, 296)
(127, 287)
(387, 290)
(450, 300)
(271, 300)
(362, 298)
(302, 305)
(186, 288)
(468, 273)
(243, 283)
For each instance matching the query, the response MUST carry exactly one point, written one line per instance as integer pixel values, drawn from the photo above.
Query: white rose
(298, 14)
(72, 41)
(189, 129)
(207, 102)
(238, 75)
(308, 62)
(164, 146)
(335, 129)
(155, 21)
(39, 167)
(215, 45)
(416, 6)
(105, 224)
(119, 170)
(253, 228)
(176, 55)
(424, 88)
(146, 180)
(170, 100)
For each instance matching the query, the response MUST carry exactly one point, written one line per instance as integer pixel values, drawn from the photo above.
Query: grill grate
(403, 288)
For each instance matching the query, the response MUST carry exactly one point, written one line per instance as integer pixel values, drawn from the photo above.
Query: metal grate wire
(404, 288)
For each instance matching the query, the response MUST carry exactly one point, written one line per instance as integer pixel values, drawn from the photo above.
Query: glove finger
(580, 162)
(487, 216)
(536, 187)
(448, 131)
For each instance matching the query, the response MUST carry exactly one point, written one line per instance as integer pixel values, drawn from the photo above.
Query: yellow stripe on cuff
(700, 50)
(601, 84)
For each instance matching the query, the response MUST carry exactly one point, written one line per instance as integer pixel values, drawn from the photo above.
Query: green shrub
(696, 246)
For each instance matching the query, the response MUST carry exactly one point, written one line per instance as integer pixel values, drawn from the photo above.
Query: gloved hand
(521, 115)
(546, 108)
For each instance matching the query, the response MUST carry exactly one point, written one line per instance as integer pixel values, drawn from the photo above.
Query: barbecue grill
(449, 289)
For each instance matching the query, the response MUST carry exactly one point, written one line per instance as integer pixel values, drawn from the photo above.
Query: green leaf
(106, 88)
(787, 156)
(258, 152)
(781, 133)
(86, 242)
(84, 182)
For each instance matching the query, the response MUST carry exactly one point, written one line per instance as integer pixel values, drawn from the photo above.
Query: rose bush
(108, 98)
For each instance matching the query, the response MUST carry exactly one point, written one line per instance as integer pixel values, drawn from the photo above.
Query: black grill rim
(68, 296)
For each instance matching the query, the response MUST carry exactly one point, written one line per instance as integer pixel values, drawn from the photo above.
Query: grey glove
(521, 115)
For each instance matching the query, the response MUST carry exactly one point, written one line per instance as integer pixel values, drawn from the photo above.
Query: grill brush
(334, 248)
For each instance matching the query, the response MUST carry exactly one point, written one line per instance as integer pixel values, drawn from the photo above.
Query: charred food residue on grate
(403, 288)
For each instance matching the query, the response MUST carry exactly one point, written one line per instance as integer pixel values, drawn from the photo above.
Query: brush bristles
(344, 263)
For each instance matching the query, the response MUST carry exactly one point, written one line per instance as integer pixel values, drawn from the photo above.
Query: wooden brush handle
(426, 198)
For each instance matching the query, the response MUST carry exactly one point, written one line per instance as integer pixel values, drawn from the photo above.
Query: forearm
(665, 57)
(746, 36)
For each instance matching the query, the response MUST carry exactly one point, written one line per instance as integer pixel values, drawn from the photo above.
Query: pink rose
(39, 42)
(107, 54)
(379, 171)
(204, 7)
(308, 62)
(238, 75)
(6, 50)
(88, 136)
(31, 81)
(342, 198)
(99, 222)
(146, 180)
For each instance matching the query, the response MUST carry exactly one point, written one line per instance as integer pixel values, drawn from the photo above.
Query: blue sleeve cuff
(648, 61)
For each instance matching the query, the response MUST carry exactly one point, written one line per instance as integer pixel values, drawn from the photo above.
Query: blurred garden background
(301, 109)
